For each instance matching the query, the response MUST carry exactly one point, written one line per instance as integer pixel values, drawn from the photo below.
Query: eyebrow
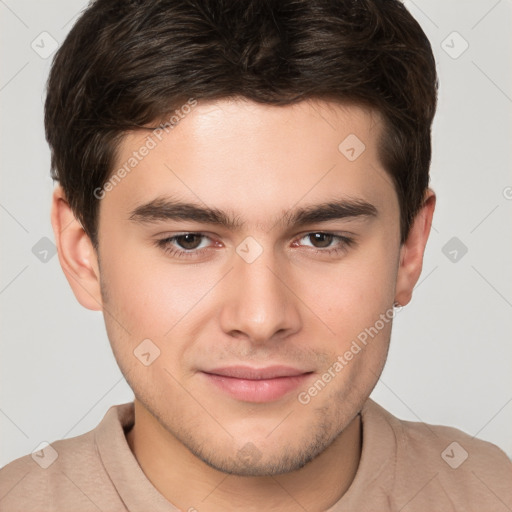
(164, 208)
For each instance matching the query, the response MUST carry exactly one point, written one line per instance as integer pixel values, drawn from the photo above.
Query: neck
(190, 484)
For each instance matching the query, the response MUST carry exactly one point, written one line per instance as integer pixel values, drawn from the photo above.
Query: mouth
(257, 385)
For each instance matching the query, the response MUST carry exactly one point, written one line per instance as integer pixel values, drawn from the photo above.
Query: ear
(77, 255)
(412, 250)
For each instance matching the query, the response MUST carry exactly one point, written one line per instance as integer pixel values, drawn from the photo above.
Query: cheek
(149, 294)
(152, 302)
(351, 295)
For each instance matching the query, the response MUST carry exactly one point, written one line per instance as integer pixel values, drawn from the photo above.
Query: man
(243, 191)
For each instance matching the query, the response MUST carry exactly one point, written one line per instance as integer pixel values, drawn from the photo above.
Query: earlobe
(413, 249)
(77, 255)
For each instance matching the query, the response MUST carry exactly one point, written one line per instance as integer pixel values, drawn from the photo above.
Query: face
(267, 316)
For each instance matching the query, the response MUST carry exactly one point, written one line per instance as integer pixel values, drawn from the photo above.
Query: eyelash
(165, 244)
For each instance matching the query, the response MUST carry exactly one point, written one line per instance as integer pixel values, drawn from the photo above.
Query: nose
(258, 302)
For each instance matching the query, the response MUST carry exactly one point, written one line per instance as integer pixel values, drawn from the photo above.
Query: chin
(276, 464)
(269, 461)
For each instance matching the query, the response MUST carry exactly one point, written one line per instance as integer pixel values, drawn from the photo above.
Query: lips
(257, 385)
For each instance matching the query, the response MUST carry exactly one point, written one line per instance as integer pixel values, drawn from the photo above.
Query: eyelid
(165, 240)
(343, 235)
(346, 240)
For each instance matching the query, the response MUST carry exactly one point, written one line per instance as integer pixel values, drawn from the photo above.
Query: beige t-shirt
(405, 466)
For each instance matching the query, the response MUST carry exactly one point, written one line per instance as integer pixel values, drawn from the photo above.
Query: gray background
(451, 351)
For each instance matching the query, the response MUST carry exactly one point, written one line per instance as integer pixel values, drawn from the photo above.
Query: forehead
(239, 126)
(239, 155)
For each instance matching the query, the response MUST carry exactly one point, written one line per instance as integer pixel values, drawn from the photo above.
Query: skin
(294, 305)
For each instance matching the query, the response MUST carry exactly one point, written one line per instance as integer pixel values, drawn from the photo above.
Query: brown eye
(326, 244)
(187, 245)
(321, 240)
(189, 241)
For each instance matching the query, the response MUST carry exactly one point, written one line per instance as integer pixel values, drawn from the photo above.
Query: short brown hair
(128, 63)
